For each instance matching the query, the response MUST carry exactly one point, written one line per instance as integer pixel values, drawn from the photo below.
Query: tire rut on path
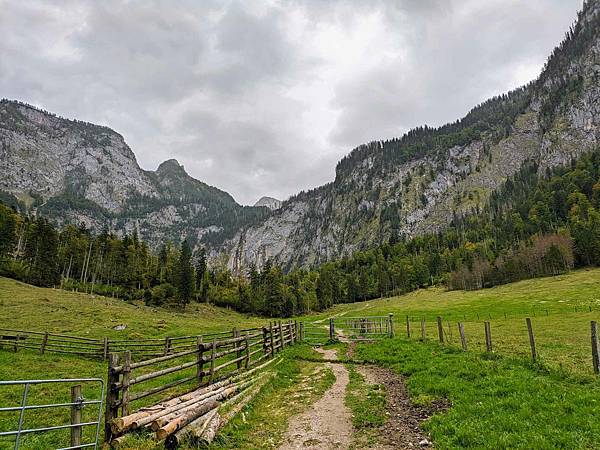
(327, 424)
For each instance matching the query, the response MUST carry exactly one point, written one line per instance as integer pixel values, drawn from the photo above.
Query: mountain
(77, 172)
(269, 202)
(421, 181)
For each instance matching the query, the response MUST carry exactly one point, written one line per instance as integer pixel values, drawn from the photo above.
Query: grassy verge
(497, 402)
(367, 405)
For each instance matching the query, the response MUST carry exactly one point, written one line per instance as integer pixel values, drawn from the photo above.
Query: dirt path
(402, 428)
(326, 425)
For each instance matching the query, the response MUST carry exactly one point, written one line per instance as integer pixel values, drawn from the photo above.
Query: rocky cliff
(82, 173)
(269, 202)
(77, 172)
(418, 183)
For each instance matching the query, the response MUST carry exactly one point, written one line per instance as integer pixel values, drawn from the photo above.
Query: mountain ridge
(383, 189)
(419, 182)
(76, 172)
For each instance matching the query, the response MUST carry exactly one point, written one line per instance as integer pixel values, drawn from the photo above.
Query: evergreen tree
(42, 253)
(8, 225)
(185, 275)
(201, 264)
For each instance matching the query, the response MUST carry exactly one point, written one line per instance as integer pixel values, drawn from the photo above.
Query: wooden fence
(51, 342)
(140, 349)
(209, 359)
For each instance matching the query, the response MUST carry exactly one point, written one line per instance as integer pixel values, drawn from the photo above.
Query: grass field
(562, 294)
(559, 308)
(498, 400)
(30, 308)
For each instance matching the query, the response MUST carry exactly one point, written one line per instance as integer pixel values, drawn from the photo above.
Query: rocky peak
(269, 202)
(170, 166)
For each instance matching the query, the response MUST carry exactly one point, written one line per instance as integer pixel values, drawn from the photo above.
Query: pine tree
(8, 235)
(201, 265)
(185, 275)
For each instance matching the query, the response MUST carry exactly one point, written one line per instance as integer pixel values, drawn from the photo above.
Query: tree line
(534, 225)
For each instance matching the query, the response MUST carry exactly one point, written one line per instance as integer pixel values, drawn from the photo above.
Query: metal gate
(347, 329)
(76, 424)
(315, 333)
(364, 328)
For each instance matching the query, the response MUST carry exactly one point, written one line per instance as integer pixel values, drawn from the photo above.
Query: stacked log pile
(195, 416)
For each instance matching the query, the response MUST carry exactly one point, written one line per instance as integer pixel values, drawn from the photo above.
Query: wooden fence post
(200, 357)
(391, 321)
(272, 340)
(125, 389)
(105, 348)
(595, 354)
(212, 361)
(112, 395)
(247, 360)
(423, 329)
(76, 415)
(488, 337)
(265, 340)
(236, 334)
(331, 329)
(407, 327)
(531, 339)
(463, 338)
(281, 341)
(44, 342)
(440, 329)
(167, 345)
(301, 331)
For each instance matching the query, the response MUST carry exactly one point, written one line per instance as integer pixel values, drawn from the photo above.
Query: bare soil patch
(402, 428)
(326, 425)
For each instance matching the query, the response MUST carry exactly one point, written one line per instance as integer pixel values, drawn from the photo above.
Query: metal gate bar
(24, 406)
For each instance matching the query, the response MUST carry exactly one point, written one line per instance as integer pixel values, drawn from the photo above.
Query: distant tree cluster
(534, 225)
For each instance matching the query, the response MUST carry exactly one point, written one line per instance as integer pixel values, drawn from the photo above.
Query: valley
(562, 335)
(442, 290)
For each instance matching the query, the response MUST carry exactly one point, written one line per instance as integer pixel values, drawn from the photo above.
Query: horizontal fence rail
(76, 404)
(14, 340)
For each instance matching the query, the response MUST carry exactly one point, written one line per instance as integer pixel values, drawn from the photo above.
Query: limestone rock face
(423, 193)
(269, 202)
(48, 156)
(80, 173)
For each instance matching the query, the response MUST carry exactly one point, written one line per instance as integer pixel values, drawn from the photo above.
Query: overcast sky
(264, 97)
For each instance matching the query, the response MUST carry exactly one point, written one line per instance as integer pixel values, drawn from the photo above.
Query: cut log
(197, 410)
(185, 419)
(238, 401)
(175, 410)
(191, 431)
(211, 430)
(147, 415)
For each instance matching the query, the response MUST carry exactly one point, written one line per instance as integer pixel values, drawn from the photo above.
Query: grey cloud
(227, 86)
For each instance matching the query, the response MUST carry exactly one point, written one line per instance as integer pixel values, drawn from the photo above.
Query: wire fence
(568, 344)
